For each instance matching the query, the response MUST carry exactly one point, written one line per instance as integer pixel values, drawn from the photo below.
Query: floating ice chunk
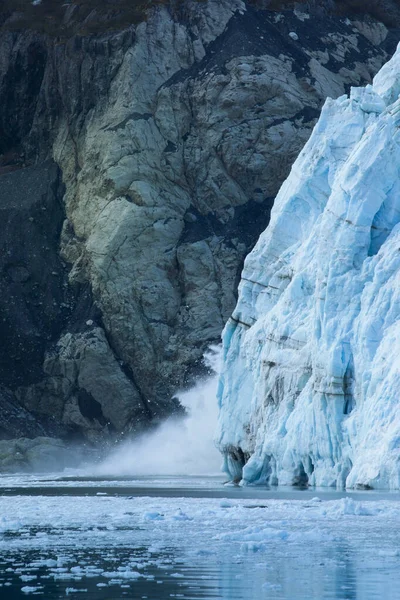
(50, 562)
(348, 506)
(256, 534)
(122, 574)
(181, 516)
(226, 504)
(153, 516)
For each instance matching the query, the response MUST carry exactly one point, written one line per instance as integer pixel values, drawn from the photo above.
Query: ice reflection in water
(119, 546)
(257, 577)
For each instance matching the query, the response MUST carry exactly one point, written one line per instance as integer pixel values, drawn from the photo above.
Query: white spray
(180, 446)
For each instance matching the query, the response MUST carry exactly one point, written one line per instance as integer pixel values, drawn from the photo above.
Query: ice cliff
(311, 381)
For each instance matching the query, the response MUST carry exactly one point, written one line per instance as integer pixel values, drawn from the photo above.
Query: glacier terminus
(310, 387)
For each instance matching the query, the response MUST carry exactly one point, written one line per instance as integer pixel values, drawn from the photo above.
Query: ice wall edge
(310, 388)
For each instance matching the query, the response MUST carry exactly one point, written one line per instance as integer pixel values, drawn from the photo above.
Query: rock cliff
(140, 156)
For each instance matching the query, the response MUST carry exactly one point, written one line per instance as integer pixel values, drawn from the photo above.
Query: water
(165, 537)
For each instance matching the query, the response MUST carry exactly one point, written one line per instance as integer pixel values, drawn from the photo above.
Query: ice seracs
(310, 389)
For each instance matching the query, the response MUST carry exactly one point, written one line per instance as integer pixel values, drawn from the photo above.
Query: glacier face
(310, 389)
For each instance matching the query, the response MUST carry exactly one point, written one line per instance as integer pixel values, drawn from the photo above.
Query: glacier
(310, 387)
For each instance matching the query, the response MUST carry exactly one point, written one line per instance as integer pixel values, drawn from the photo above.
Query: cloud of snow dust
(181, 445)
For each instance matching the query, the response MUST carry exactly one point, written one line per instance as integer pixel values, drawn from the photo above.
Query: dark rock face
(138, 166)
(16, 422)
(34, 302)
(386, 11)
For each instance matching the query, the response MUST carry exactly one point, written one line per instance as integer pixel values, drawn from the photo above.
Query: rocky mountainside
(140, 154)
(310, 388)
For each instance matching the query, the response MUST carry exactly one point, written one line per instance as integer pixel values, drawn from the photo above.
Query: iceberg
(310, 387)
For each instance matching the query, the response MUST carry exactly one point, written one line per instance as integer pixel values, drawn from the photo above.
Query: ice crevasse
(310, 387)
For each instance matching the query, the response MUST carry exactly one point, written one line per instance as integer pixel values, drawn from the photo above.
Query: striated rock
(86, 389)
(173, 136)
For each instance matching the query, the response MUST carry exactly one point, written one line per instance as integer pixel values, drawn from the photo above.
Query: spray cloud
(180, 446)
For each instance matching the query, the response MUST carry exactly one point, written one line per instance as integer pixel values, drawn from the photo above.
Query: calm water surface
(193, 538)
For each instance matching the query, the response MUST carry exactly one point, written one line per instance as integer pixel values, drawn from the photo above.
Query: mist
(180, 446)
